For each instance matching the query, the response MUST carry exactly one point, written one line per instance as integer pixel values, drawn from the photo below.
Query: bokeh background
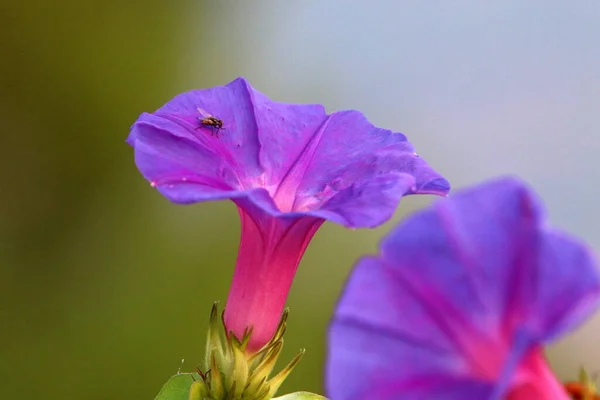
(105, 286)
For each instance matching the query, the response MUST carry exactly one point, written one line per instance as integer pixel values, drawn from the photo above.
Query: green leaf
(300, 396)
(176, 388)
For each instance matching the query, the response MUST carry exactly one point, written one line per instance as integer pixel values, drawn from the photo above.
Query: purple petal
(384, 341)
(460, 293)
(339, 166)
(567, 288)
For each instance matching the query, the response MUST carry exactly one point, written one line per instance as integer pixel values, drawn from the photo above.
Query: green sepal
(198, 391)
(300, 396)
(230, 372)
(278, 379)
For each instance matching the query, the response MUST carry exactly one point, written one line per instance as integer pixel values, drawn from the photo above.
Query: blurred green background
(106, 286)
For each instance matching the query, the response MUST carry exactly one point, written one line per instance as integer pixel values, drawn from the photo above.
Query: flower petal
(346, 155)
(460, 293)
(370, 203)
(338, 167)
(567, 288)
(383, 341)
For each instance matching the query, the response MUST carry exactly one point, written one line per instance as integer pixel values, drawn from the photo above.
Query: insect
(208, 120)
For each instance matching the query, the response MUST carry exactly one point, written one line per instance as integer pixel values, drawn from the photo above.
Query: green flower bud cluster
(231, 373)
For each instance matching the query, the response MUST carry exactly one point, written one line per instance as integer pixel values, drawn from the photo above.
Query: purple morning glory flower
(460, 301)
(288, 168)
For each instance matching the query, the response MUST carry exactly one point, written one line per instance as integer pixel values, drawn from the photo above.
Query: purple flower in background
(459, 303)
(288, 168)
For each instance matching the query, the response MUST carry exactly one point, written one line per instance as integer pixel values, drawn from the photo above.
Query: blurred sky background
(105, 286)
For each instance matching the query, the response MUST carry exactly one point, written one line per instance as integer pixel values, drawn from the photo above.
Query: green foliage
(176, 388)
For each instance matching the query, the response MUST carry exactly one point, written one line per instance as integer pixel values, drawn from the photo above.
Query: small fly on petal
(208, 120)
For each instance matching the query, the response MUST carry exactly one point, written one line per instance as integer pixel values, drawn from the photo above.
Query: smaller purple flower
(288, 168)
(460, 301)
